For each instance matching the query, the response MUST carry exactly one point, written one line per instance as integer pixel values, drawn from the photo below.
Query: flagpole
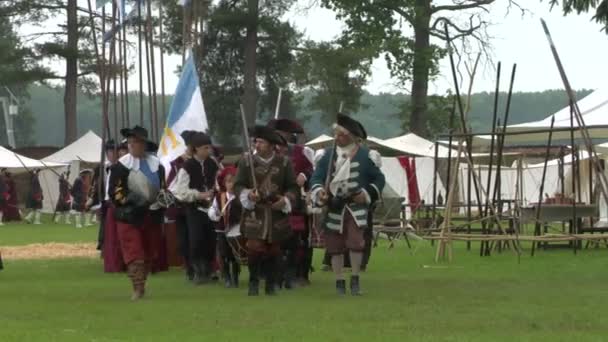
(108, 77)
(148, 71)
(162, 65)
(185, 33)
(101, 73)
(153, 68)
(126, 75)
(114, 80)
(121, 59)
(141, 69)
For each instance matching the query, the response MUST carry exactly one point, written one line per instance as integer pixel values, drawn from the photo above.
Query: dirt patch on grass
(50, 250)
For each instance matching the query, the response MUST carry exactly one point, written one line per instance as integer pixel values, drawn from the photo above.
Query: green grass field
(554, 296)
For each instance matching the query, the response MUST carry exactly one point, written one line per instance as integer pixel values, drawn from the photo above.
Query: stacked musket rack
(489, 215)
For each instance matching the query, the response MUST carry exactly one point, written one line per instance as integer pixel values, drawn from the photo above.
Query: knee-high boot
(226, 273)
(235, 272)
(137, 273)
(271, 266)
(254, 264)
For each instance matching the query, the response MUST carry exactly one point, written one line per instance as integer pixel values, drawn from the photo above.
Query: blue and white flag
(183, 2)
(187, 113)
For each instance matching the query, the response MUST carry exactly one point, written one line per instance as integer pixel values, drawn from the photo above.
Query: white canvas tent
(86, 149)
(409, 144)
(319, 142)
(413, 145)
(16, 162)
(593, 107)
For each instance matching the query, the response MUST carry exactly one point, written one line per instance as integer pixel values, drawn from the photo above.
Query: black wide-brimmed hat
(197, 139)
(137, 132)
(286, 125)
(266, 133)
(141, 134)
(110, 145)
(353, 126)
(186, 136)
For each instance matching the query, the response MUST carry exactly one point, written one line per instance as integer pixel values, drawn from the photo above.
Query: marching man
(64, 202)
(80, 195)
(134, 184)
(34, 200)
(355, 182)
(266, 203)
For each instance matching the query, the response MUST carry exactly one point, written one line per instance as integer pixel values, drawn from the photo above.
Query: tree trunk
(250, 91)
(421, 66)
(71, 75)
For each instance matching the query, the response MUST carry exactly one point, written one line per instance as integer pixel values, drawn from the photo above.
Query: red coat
(301, 165)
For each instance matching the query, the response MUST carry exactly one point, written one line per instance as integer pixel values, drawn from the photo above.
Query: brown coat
(273, 179)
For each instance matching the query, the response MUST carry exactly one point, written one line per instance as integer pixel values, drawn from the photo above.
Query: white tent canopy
(409, 144)
(413, 145)
(320, 141)
(87, 149)
(593, 108)
(16, 162)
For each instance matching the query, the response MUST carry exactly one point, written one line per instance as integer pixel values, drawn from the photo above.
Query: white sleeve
(215, 212)
(376, 158)
(317, 157)
(181, 189)
(287, 208)
(309, 153)
(244, 198)
(107, 188)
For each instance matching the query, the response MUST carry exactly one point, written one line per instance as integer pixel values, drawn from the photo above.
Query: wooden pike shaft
(577, 114)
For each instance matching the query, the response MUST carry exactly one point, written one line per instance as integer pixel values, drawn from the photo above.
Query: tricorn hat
(353, 126)
(266, 133)
(286, 125)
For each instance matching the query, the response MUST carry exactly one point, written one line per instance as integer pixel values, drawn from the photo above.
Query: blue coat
(364, 175)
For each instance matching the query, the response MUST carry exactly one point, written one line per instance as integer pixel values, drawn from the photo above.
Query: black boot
(236, 270)
(189, 272)
(254, 277)
(341, 287)
(226, 274)
(200, 273)
(355, 288)
(270, 272)
(290, 271)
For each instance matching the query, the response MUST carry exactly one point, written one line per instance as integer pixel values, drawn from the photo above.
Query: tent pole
(435, 160)
(537, 223)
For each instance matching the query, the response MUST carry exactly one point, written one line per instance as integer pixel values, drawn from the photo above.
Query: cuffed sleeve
(181, 188)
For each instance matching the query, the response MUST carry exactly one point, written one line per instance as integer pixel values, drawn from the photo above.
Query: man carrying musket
(64, 201)
(266, 186)
(297, 253)
(355, 182)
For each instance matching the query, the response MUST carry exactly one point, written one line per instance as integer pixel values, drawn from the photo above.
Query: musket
(276, 110)
(67, 176)
(22, 163)
(249, 151)
(330, 166)
(93, 185)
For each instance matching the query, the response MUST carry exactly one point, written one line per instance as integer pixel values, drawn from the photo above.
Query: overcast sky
(582, 47)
